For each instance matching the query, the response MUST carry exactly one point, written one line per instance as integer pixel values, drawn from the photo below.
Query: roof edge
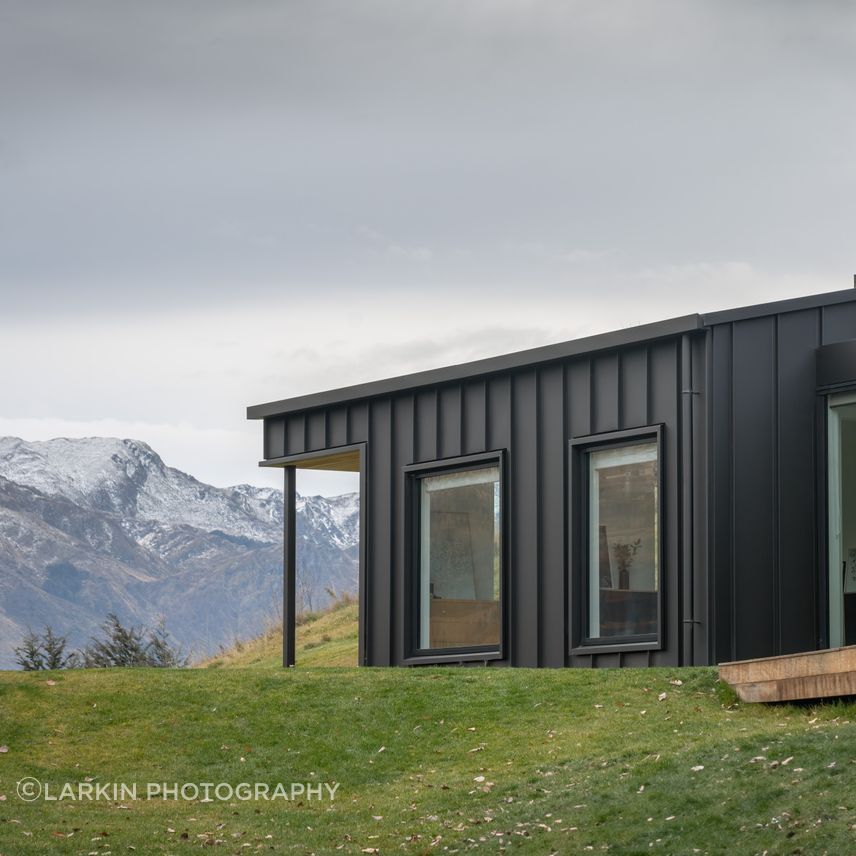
(777, 307)
(487, 366)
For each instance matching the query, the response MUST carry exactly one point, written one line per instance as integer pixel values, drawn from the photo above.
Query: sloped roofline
(544, 354)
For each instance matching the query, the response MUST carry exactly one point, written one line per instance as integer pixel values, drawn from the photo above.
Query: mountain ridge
(93, 525)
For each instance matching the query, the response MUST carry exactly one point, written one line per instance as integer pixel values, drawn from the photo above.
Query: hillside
(327, 638)
(426, 761)
(97, 525)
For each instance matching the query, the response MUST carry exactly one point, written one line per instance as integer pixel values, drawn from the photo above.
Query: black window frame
(413, 475)
(579, 570)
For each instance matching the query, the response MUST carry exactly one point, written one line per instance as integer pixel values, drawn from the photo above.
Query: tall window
(622, 538)
(458, 554)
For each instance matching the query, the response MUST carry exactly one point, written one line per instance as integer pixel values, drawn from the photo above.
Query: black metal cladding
(743, 466)
(531, 413)
(767, 448)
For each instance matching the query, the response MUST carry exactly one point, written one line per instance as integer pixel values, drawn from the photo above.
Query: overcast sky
(205, 205)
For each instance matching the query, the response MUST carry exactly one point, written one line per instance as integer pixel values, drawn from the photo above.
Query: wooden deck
(793, 677)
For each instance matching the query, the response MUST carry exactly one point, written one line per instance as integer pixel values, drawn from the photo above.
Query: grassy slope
(325, 639)
(572, 760)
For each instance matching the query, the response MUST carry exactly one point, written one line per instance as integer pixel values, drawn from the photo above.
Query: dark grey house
(671, 494)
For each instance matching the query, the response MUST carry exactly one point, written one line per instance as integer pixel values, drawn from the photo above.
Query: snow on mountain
(336, 519)
(129, 478)
(89, 526)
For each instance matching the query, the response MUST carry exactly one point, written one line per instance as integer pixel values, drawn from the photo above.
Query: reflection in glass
(459, 546)
(623, 538)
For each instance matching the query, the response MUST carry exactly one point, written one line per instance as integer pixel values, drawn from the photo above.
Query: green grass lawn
(427, 761)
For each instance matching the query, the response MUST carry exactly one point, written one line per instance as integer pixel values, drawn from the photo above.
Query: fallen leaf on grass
(662, 697)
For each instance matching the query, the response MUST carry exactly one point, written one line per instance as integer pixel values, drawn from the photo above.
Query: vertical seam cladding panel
(449, 422)
(525, 566)
(701, 595)
(274, 437)
(797, 478)
(665, 404)
(839, 322)
(404, 411)
(498, 433)
(295, 434)
(579, 374)
(754, 497)
(777, 497)
(473, 412)
(380, 520)
(337, 426)
(552, 451)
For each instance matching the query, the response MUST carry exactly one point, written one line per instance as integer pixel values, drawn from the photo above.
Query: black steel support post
(289, 549)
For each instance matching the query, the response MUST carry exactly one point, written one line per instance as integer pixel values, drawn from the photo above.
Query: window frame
(413, 475)
(579, 553)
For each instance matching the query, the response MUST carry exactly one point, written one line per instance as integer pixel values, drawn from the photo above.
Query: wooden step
(792, 677)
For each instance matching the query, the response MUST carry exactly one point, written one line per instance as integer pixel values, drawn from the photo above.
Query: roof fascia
(480, 368)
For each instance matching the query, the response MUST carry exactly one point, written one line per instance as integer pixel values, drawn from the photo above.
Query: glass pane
(459, 559)
(624, 548)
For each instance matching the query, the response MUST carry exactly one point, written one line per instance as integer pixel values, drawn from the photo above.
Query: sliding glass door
(841, 457)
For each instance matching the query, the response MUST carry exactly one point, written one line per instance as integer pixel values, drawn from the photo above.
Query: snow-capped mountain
(94, 525)
(126, 477)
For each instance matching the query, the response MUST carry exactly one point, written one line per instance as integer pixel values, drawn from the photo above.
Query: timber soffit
(545, 354)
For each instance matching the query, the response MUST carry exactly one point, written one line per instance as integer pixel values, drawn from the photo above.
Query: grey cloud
(336, 364)
(205, 152)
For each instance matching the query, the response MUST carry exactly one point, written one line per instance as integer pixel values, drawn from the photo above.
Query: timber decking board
(815, 674)
(799, 689)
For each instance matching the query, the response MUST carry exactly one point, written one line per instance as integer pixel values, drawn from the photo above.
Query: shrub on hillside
(118, 646)
(132, 646)
(46, 651)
